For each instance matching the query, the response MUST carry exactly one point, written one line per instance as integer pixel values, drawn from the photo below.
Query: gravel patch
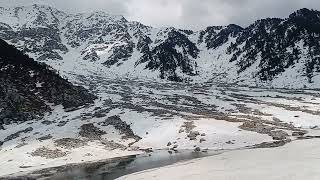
(91, 132)
(70, 143)
(48, 153)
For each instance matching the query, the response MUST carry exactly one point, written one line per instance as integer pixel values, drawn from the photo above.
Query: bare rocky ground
(114, 121)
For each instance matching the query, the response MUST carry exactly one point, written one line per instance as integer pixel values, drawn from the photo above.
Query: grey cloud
(194, 14)
(75, 6)
(197, 14)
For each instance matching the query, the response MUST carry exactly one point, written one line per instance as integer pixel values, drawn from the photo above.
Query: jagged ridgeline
(28, 87)
(269, 52)
(277, 46)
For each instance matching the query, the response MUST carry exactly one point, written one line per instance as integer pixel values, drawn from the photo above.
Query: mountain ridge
(271, 52)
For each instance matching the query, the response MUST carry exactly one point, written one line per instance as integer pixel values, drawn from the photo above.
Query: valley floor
(133, 116)
(295, 161)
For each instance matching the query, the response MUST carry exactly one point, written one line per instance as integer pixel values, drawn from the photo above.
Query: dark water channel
(115, 168)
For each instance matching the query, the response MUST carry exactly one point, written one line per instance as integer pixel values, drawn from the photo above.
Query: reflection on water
(115, 168)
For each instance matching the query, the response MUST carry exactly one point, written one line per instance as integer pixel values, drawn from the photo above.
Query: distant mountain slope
(279, 47)
(27, 87)
(270, 52)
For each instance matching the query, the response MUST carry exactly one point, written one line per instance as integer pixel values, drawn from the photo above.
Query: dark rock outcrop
(270, 52)
(276, 45)
(27, 86)
(176, 54)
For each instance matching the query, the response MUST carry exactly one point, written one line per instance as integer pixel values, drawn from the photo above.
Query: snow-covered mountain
(133, 100)
(270, 52)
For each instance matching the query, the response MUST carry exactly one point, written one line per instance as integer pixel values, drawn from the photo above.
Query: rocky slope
(28, 88)
(280, 48)
(270, 52)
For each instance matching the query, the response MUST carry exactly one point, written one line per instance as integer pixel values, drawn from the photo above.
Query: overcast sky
(189, 14)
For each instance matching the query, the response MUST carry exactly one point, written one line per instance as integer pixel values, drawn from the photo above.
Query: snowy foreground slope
(295, 161)
(270, 52)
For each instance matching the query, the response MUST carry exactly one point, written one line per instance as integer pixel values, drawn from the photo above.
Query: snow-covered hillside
(28, 88)
(270, 52)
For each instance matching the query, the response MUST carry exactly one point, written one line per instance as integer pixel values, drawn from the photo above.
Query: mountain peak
(97, 15)
(117, 46)
(234, 26)
(39, 7)
(304, 12)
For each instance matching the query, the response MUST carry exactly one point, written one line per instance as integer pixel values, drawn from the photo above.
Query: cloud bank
(189, 14)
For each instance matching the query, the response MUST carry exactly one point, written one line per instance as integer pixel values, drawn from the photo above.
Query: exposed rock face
(26, 87)
(177, 51)
(216, 36)
(275, 45)
(17, 134)
(122, 126)
(40, 33)
(271, 52)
